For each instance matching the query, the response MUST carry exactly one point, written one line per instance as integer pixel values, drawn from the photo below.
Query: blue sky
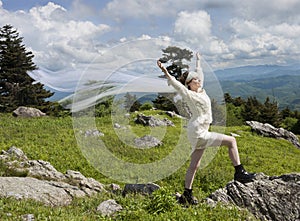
(228, 33)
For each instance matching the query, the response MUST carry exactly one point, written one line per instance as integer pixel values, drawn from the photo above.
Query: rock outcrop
(28, 112)
(275, 198)
(268, 130)
(39, 180)
(48, 192)
(152, 121)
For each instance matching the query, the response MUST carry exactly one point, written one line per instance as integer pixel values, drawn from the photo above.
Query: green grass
(53, 140)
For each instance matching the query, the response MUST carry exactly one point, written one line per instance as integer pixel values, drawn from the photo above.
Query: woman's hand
(159, 64)
(198, 56)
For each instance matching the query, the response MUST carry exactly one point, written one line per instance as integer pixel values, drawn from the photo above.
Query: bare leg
(233, 152)
(230, 142)
(240, 174)
(223, 140)
(194, 165)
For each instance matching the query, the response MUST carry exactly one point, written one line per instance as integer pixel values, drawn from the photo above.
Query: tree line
(251, 109)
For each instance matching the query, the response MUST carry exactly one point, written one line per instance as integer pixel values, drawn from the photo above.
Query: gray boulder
(109, 207)
(152, 121)
(28, 112)
(147, 142)
(275, 198)
(268, 130)
(146, 189)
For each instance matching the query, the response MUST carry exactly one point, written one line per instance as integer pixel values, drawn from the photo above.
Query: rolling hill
(280, 83)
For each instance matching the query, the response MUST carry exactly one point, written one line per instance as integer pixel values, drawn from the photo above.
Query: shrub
(146, 106)
(162, 201)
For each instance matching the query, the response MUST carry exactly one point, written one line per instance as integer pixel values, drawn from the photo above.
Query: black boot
(242, 175)
(187, 197)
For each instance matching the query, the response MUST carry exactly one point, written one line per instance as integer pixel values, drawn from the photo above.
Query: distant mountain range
(280, 83)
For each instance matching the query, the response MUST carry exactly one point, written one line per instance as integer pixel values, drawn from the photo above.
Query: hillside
(280, 83)
(53, 140)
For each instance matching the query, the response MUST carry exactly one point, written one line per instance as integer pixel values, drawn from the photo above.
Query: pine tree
(164, 102)
(251, 109)
(131, 102)
(16, 86)
(269, 113)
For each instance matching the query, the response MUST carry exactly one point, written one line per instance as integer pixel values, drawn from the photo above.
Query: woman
(191, 89)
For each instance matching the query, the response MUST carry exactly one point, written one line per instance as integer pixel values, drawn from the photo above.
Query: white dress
(200, 107)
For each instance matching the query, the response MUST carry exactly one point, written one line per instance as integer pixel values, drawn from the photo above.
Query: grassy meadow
(53, 139)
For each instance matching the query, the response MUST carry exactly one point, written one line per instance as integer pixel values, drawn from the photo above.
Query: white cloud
(217, 46)
(252, 41)
(269, 12)
(288, 30)
(242, 45)
(245, 27)
(122, 9)
(125, 9)
(193, 27)
(53, 36)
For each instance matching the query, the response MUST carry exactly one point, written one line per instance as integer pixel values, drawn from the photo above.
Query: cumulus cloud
(193, 27)
(54, 37)
(254, 40)
(268, 12)
(124, 9)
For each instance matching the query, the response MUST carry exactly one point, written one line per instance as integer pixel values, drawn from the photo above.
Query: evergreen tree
(228, 98)
(296, 127)
(251, 109)
(269, 113)
(16, 86)
(238, 102)
(104, 108)
(131, 102)
(164, 102)
(286, 112)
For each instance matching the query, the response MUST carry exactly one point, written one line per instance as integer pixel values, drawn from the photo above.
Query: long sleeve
(200, 72)
(180, 88)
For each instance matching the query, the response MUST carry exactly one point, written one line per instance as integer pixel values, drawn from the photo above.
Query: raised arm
(199, 68)
(160, 65)
(176, 84)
